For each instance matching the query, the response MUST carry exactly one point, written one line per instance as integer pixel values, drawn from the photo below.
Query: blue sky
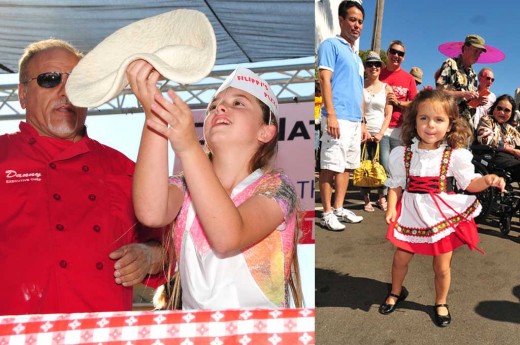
(423, 25)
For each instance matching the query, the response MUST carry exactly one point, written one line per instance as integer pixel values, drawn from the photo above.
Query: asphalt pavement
(353, 272)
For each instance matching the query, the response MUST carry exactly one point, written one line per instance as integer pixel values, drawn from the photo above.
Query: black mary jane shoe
(441, 320)
(386, 308)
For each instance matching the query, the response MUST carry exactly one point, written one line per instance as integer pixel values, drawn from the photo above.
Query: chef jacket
(64, 206)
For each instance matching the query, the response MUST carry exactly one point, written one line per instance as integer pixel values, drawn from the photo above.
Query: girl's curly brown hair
(459, 134)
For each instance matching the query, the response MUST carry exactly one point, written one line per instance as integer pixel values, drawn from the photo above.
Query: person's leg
(399, 270)
(329, 167)
(350, 157)
(326, 186)
(381, 202)
(328, 220)
(384, 151)
(442, 270)
(365, 191)
(342, 180)
(371, 151)
(365, 194)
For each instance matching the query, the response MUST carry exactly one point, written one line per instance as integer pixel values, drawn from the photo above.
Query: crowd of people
(424, 139)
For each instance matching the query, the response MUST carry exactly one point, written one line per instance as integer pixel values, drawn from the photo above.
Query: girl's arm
(156, 203)
(228, 228)
(478, 184)
(394, 194)
(464, 172)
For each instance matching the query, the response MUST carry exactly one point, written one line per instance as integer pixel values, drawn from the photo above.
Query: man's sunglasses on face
(394, 51)
(48, 80)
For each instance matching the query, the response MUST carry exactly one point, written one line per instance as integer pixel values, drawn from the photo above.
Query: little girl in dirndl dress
(424, 215)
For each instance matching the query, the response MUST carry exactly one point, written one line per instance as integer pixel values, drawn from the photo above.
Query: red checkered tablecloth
(242, 327)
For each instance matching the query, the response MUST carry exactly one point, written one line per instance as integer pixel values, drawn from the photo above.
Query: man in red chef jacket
(69, 240)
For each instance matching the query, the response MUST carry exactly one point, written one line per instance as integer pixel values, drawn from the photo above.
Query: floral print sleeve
(446, 72)
(179, 181)
(277, 186)
(490, 133)
(451, 76)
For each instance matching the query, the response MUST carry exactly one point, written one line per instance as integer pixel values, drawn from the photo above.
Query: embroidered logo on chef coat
(12, 176)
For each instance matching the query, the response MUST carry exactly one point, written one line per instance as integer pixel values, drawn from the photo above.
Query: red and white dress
(431, 219)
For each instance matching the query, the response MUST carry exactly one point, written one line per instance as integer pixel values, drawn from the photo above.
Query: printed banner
(295, 156)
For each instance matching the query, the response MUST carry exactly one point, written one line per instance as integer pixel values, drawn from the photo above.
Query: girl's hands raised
(171, 119)
(176, 122)
(143, 79)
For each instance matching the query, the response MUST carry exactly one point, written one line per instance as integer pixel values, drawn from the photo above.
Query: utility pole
(378, 26)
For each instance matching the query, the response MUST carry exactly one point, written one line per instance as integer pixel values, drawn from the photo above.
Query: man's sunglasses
(394, 51)
(489, 79)
(373, 64)
(49, 80)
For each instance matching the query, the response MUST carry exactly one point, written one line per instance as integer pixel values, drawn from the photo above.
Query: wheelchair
(503, 205)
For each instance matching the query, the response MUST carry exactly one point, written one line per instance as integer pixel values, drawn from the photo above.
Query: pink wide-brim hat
(454, 49)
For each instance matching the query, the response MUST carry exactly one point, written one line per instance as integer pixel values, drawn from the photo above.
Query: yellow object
(370, 173)
(317, 107)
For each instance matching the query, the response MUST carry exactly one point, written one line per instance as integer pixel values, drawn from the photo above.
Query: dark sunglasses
(505, 110)
(489, 78)
(373, 64)
(48, 80)
(398, 52)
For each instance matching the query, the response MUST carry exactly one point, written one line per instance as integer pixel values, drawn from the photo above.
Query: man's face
(395, 55)
(48, 110)
(352, 25)
(486, 79)
(471, 54)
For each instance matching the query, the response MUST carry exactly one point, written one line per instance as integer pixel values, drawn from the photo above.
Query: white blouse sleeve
(396, 171)
(461, 168)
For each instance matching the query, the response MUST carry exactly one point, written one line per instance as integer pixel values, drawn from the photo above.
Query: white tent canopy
(246, 30)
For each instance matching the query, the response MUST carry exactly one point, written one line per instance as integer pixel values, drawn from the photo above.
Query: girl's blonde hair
(459, 134)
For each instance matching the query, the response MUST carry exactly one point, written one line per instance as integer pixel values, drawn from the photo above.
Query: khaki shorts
(344, 153)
